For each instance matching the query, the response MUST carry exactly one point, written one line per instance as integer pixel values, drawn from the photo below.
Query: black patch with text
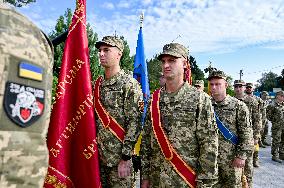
(23, 104)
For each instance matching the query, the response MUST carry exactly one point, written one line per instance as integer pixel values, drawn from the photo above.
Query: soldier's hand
(124, 168)
(145, 184)
(238, 163)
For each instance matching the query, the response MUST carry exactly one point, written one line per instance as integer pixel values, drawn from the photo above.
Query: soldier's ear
(226, 84)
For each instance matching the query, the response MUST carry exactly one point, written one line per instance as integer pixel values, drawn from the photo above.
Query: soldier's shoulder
(237, 103)
(128, 80)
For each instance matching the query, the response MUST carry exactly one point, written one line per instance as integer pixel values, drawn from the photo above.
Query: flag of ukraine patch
(27, 70)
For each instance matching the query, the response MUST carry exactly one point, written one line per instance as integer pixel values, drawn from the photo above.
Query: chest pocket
(113, 97)
(228, 116)
(182, 121)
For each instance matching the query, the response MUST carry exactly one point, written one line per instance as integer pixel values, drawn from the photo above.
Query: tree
(268, 82)
(155, 71)
(126, 62)
(62, 26)
(197, 73)
(19, 3)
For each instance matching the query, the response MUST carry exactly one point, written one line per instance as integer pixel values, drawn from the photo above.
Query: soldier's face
(109, 56)
(264, 97)
(249, 90)
(280, 98)
(218, 87)
(173, 67)
(239, 89)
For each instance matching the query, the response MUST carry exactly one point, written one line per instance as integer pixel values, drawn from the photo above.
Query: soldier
(252, 104)
(264, 97)
(117, 115)
(236, 135)
(181, 146)
(260, 106)
(199, 84)
(25, 97)
(275, 114)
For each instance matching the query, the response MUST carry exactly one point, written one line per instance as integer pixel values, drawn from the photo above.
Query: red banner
(71, 140)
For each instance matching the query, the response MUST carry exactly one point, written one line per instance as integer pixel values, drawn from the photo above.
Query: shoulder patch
(23, 104)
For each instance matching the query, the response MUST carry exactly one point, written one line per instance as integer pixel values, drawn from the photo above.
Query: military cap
(264, 93)
(217, 74)
(280, 92)
(174, 49)
(111, 41)
(249, 84)
(239, 82)
(199, 83)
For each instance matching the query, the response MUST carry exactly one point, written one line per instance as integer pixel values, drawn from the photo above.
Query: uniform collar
(176, 96)
(222, 103)
(113, 79)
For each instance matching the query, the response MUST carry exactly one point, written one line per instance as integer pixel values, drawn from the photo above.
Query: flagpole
(141, 19)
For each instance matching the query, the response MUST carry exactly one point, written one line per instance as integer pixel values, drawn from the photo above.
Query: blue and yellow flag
(140, 73)
(27, 70)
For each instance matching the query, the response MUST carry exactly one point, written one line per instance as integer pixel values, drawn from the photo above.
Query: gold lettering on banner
(90, 151)
(72, 124)
(52, 180)
(68, 79)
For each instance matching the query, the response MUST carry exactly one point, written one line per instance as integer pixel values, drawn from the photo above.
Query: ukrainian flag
(30, 71)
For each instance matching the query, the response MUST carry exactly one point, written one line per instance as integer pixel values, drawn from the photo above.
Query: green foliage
(62, 25)
(19, 3)
(154, 71)
(196, 72)
(268, 81)
(126, 61)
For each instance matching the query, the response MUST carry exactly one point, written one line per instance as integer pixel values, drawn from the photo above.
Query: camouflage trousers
(264, 131)
(277, 131)
(228, 176)
(110, 179)
(249, 168)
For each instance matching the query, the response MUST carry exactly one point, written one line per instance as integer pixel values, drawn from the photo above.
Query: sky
(233, 35)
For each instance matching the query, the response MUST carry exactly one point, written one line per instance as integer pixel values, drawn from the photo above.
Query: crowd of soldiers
(190, 138)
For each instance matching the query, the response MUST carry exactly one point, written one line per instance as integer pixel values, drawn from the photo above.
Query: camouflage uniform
(120, 96)
(188, 120)
(255, 120)
(264, 119)
(234, 115)
(275, 113)
(25, 102)
(261, 110)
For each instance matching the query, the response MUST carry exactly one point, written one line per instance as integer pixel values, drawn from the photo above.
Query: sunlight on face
(172, 67)
(218, 86)
(109, 56)
(239, 89)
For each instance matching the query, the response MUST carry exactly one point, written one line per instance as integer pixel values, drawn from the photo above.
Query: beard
(249, 92)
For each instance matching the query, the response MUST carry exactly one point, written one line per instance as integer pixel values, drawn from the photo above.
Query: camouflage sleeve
(269, 112)
(132, 97)
(256, 120)
(208, 143)
(245, 132)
